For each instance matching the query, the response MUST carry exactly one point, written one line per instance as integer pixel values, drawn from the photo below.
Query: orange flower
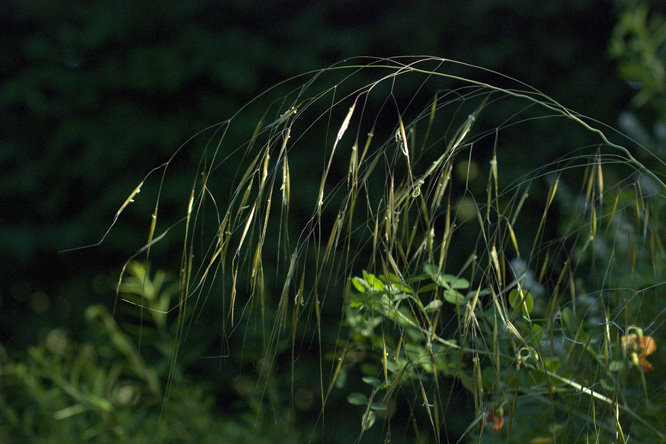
(640, 347)
(495, 421)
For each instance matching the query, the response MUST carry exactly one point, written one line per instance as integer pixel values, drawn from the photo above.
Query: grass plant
(423, 251)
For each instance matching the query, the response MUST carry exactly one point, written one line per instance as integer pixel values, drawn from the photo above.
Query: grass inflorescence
(444, 251)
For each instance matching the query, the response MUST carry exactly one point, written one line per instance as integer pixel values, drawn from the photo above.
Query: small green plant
(520, 361)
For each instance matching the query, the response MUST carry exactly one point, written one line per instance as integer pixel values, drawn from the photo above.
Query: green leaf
(399, 297)
(69, 412)
(457, 283)
(396, 367)
(391, 279)
(378, 406)
(571, 321)
(341, 379)
(357, 399)
(453, 297)
(99, 402)
(521, 300)
(372, 281)
(426, 288)
(372, 381)
(431, 271)
(360, 284)
(466, 381)
(448, 281)
(368, 419)
(417, 278)
(484, 292)
(399, 288)
(433, 305)
(616, 366)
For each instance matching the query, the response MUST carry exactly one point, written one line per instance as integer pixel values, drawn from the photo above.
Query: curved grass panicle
(460, 244)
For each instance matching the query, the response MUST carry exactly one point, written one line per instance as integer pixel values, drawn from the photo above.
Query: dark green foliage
(96, 95)
(103, 391)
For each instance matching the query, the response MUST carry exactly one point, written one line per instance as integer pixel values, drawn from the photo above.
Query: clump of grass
(379, 236)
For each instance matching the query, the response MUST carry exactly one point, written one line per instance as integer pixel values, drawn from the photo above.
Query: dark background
(96, 94)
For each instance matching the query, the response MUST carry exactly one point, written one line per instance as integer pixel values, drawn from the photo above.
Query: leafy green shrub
(638, 44)
(103, 391)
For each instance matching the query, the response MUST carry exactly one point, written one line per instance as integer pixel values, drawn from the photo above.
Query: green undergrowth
(407, 250)
(110, 389)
